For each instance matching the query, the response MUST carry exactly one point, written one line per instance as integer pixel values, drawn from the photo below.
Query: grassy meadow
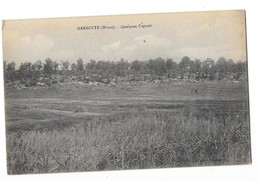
(79, 127)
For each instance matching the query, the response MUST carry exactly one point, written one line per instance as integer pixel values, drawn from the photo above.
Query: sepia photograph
(124, 92)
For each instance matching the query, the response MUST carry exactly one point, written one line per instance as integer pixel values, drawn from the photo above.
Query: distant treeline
(184, 69)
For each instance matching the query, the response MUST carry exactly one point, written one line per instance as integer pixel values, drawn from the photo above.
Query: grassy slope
(81, 127)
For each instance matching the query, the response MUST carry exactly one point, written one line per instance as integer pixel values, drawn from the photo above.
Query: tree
(48, 66)
(206, 68)
(241, 67)
(121, 66)
(213, 72)
(185, 63)
(231, 67)
(73, 66)
(10, 66)
(195, 66)
(169, 64)
(80, 66)
(55, 66)
(221, 66)
(25, 69)
(101, 65)
(136, 65)
(92, 64)
(158, 65)
(65, 65)
(9, 71)
(38, 65)
(171, 68)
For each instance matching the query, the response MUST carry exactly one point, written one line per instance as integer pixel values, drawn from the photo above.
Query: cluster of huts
(95, 79)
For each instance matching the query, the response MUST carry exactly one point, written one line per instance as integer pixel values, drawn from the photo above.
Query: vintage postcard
(126, 92)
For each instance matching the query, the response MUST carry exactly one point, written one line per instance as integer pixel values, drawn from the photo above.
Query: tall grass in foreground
(133, 140)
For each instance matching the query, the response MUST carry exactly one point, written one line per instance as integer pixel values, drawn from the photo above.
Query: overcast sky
(198, 35)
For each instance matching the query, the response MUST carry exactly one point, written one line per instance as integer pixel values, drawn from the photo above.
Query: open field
(80, 127)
